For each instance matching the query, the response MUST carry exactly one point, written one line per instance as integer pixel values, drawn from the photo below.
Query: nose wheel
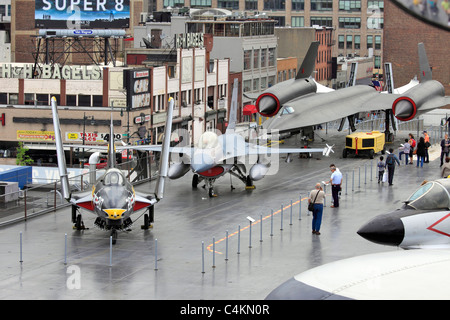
(114, 236)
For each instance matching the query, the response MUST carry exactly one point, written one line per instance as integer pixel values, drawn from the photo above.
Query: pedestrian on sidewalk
(316, 196)
(390, 165)
(420, 152)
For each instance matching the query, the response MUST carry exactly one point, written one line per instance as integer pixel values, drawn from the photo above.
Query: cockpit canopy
(113, 177)
(432, 195)
(208, 140)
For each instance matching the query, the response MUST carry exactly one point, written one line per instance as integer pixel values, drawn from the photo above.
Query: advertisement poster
(82, 14)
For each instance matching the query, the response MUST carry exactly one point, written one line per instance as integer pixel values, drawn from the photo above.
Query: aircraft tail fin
(233, 108)
(111, 146)
(164, 159)
(309, 63)
(62, 167)
(423, 63)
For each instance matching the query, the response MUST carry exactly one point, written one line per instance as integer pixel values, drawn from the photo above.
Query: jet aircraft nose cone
(404, 109)
(384, 229)
(202, 161)
(267, 104)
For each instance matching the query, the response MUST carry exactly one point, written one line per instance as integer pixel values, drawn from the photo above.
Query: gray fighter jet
(422, 222)
(302, 110)
(215, 155)
(112, 198)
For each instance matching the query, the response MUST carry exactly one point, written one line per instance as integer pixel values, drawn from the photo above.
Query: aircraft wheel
(195, 181)
(114, 236)
(79, 222)
(249, 182)
(211, 193)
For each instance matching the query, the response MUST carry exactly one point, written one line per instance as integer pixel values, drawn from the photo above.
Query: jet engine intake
(258, 171)
(268, 104)
(177, 170)
(404, 108)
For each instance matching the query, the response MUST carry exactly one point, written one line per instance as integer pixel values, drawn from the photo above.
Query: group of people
(316, 197)
(408, 149)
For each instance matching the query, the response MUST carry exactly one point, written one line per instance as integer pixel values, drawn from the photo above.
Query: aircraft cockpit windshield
(287, 110)
(432, 195)
(208, 140)
(113, 178)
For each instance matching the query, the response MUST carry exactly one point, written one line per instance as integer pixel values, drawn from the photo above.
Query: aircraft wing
(262, 150)
(320, 108)
(83, 200)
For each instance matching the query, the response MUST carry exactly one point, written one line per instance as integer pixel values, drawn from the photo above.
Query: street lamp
(84, 132)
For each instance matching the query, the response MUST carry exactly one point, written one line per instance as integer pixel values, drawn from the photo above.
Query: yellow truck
(364, 143)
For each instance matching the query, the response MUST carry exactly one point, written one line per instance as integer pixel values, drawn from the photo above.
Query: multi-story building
(5, 30)
(358, 24)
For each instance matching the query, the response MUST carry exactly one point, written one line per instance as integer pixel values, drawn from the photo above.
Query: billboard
(137, 85)
(82, 14)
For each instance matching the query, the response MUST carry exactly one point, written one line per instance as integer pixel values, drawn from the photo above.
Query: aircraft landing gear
(114, 236)
(77, 219)
(148, 218)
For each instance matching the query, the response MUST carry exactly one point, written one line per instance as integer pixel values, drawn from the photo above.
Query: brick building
(402, 33)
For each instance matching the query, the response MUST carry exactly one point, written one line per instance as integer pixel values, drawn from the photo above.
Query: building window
(369, 42)
(271, 57)
(84, 100)
(377, 62)
(256, 84)
(298, 21)
(281, 20)
(375, 5)
(97, 101)
(251, 5)
(228, 4)
(321, 5)
(247, 59)
(3, 98)
(173, 3)
(42, 99)
(322, 21)
(375, 23)
(298, 5)
(357, 42)
(274, 5)
(256, 59)
(350, 5)
(200, 3)
(271, 81)
(247, 85)
(377, 42)
(263, 58)
(350, 23)
(349, 42)
(341, 39)
(71, 100)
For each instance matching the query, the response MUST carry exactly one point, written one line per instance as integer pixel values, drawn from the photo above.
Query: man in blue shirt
(336, 181)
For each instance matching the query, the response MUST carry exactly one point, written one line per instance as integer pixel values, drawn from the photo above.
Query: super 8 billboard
(82, 14)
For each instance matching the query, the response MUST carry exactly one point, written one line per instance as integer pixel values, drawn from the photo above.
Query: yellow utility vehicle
(364, 143)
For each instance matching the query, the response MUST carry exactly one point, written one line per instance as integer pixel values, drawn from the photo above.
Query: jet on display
(215, 155)
(422, 222)
(291, 109)
(394, 275)
(113, 198)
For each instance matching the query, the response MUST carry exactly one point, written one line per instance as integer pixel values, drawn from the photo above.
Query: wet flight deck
(175, 259)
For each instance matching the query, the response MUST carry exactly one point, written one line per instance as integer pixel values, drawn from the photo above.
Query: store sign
(77, 14)
(90, 136)
(189, 40)
(48, 71)
(35, 135)
(137, 85)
